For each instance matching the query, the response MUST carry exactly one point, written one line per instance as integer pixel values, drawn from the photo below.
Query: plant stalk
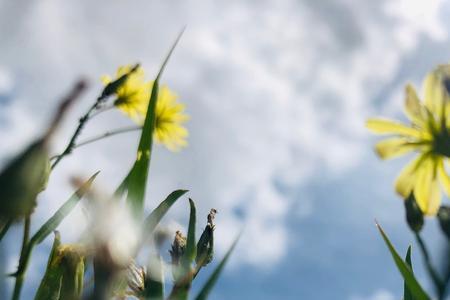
(21, 271)
(437, 281)
(107, 134)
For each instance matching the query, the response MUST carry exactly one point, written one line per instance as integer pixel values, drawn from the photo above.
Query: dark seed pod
(414, 216)
(444, 220)
(205, 245)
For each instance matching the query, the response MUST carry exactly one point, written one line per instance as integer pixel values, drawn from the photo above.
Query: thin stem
(447, 271)
(438, 283)
(21, 274)
(101, 110)
(77, 132)
(107, 134)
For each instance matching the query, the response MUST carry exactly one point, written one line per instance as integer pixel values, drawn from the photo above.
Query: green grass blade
(62, 212)
(136, 181)
(51, 225)
(158, 213)
(406, 272)
(122, 188)
(191, 246)
(50, 287)
(180, 290)
(206, 289)
(406, 292)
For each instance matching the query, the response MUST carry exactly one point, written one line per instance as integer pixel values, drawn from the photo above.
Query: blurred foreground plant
(117, 230)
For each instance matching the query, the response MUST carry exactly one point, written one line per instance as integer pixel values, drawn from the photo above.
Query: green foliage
(45, 230)
(62, 212)
(22, 180)
(206, 289)
(158, 213)
(64, 277)
(50, 286)
(407, 295)
(135, 183)
(405, 270)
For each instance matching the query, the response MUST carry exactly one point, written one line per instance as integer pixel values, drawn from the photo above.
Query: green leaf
(406, 272)
(136, 181)
(62, 212)
(406, 292)
(53, 223)
(206, 289)
(191, 247)
(154, 284)
(158, 213)
(50, 286)
(183, 282)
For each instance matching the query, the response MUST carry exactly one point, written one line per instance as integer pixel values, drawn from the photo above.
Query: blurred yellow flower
(133, 97)
(428, 134)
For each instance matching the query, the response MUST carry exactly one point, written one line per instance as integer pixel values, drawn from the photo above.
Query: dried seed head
(178, 248)
(212, 216)
(136, 278)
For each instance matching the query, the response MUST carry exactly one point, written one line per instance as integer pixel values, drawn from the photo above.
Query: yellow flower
(133, 97)
(428, 134)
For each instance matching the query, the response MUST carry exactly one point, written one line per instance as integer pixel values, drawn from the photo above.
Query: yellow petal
(105, 79)
(444, 177)
(434, 93)
(384, 126)
(426, 187)
(404, 183)
(414, 109)
(393, 147)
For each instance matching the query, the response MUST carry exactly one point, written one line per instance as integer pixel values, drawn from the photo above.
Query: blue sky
(277, 91)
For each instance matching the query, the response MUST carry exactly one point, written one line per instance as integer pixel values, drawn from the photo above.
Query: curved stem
(101, 110)
(107, 134)
(437, 281)
(77, 132)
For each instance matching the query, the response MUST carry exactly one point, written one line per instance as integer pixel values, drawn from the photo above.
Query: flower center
(441, 143)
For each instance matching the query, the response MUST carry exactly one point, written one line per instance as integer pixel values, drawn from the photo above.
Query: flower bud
(414, 215)
(177, 252)
(444, 220)
(22, 180)
(205, 245)
(112, 87)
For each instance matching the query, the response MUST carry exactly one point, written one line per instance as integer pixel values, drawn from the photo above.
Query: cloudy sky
(277, 91)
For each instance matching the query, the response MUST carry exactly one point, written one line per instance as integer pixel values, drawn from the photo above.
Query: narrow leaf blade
(158, 213)
(406, 272)
(62, 212)
(206, 289)
(191, 247)
(407, 295)
(137, 180)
